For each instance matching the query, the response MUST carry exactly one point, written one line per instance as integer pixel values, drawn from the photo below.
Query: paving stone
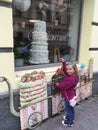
(86, 118)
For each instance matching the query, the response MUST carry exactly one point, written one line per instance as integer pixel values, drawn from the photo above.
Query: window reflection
(43, 30)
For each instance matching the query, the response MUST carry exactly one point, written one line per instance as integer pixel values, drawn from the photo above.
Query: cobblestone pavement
(86, 118)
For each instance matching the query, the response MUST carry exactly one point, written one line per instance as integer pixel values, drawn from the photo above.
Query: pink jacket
(68, 84)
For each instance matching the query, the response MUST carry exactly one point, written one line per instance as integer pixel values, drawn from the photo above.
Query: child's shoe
(64, 117)
(66, 124)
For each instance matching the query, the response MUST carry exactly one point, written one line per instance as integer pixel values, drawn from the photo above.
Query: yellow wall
(94, 44)
(95, 18)
(6, 27)
(94, 38)
(6, 40)
(6, 0)
(88, 11)
(7, 69)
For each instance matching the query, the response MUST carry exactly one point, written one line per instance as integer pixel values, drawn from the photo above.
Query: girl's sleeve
(68, 83)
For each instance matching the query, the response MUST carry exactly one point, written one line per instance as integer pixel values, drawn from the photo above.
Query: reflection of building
(83, 51)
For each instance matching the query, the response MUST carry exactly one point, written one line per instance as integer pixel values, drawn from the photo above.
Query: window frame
(28, 67)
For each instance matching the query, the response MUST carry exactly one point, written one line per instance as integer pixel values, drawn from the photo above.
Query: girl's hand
(62, 59)
(57, 84)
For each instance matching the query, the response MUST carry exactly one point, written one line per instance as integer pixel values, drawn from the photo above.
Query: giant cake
(32, 87)
(39, 47)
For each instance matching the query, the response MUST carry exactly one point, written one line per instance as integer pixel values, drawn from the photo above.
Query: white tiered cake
(39, 48)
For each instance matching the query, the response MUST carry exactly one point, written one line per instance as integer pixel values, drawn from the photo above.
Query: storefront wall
(94, 37)
(88, 39)
(86, 31)
(6, 44)
(85, 41)
(94, 46)
(7, 120)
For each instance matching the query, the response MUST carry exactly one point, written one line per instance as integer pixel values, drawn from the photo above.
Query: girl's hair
(76, 70)
(74, 67)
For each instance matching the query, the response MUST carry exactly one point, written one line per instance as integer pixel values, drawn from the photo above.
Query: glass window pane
(45, 30)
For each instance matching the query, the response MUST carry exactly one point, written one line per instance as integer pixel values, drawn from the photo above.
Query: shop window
(45, 30)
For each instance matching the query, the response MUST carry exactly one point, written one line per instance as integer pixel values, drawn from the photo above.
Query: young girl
(68, 86)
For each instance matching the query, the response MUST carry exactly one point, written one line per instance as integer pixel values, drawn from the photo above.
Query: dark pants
(69, 112)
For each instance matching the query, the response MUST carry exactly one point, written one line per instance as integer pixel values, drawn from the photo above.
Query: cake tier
(37, 54)
(32, 91)
(36, 61)
(40, 26)
(39, 36)
(39, 45)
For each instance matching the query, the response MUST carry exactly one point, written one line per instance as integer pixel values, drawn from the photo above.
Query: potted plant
(20, 53)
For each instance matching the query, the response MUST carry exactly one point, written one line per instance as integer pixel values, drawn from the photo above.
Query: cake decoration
(39, 48)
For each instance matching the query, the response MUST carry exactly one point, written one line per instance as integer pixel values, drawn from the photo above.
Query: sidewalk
(86, 118)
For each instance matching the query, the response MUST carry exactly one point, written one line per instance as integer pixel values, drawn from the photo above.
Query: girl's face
(70, 70)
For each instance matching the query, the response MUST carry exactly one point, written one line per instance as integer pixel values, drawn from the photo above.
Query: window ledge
(36, 66)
